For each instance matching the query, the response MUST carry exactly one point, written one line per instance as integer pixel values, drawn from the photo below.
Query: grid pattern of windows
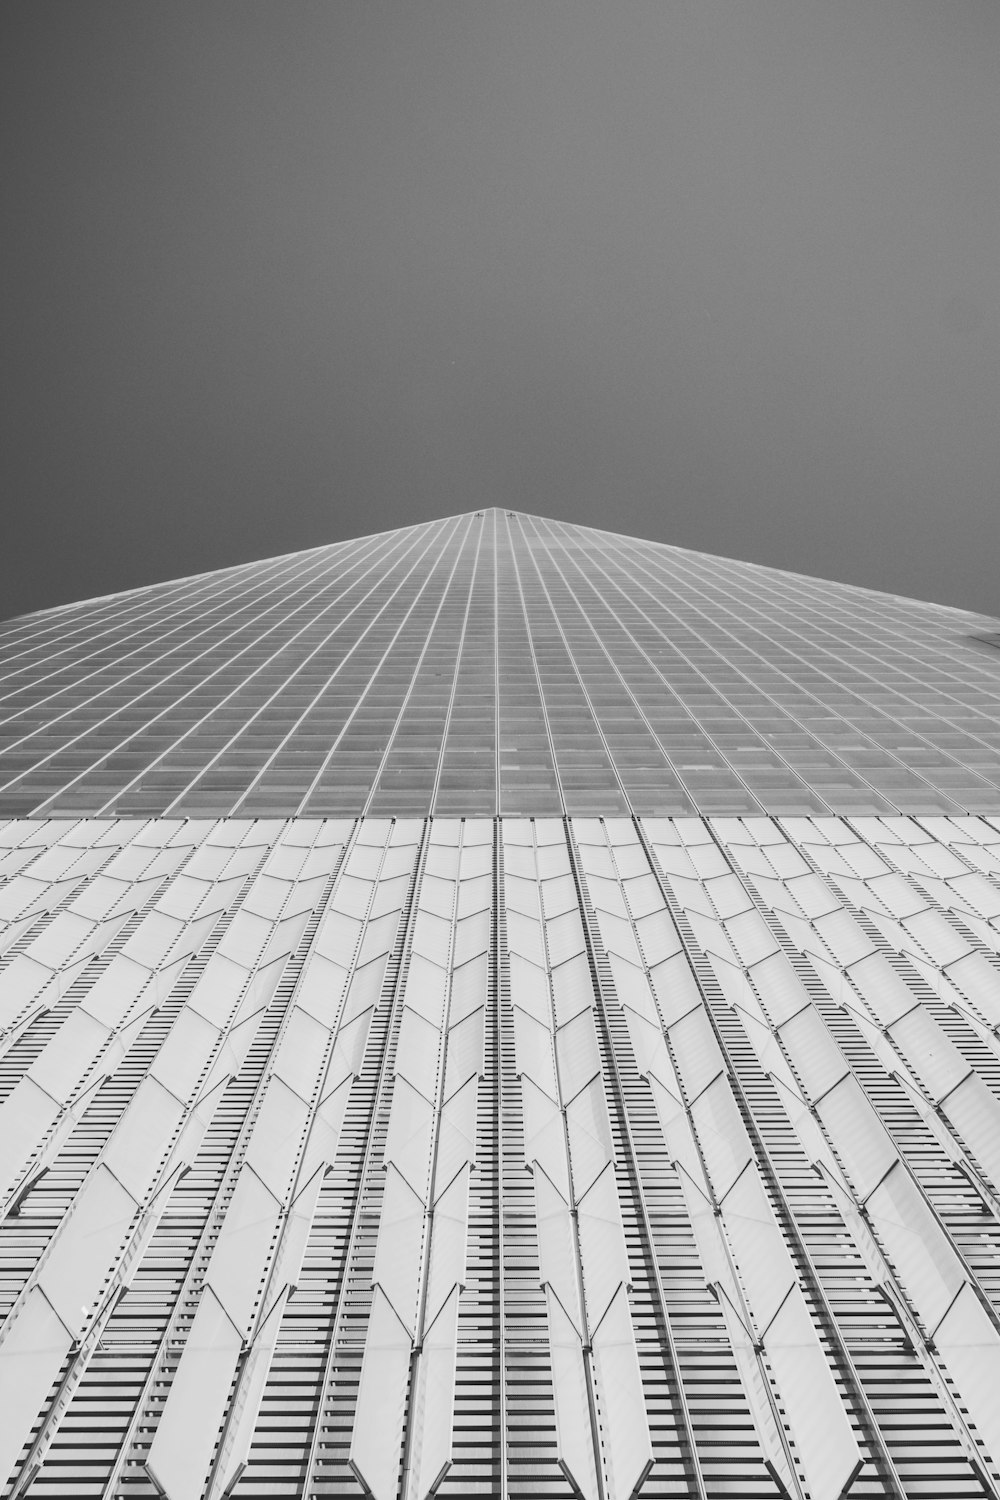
(498, 662)
(600, 1157)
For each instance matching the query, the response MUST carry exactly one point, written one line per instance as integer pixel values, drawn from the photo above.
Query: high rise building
(500, 1008)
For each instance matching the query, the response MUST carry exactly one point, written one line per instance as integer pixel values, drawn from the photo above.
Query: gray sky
(721, 274)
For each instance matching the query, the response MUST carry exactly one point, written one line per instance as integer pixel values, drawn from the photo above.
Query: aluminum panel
(408, 1138)
(399, 1249)
(236, 1269)
(557, 1252)
(182, 1447)
(859, 1139)
(574, 1435)
(970, 1347)
(545, 1136)
(625, 1437)
(377, 1434)
(602, 1245)
(433, 1403)
(85, 1248)
(924, 1261)
(456, 1142)
(820, 1426)
(577, 1054)
(32, 1351)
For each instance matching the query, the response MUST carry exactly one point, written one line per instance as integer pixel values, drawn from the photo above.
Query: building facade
(500, 1008)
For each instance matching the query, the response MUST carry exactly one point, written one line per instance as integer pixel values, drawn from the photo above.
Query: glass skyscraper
(500, 1008)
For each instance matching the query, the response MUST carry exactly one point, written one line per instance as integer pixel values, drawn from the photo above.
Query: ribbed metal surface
(605, 1155)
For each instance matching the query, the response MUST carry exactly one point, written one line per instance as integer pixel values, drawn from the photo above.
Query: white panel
(558, 896)
(465, 1051)
(628, 1449)
(533, 1051)
(780, 989)
(218, 989)
(241, 1251)
(632, 988)
(606, 893)
(472, 936)
(817, 1418)
(31, 1354)
(185, 1052)
(722, 1134)
(564, 937)
(433, 1403)
(244, 938)
(818, 1060)
(758, 1246)
(980, 982)
(843, 937)
(142, 1135)
(728, 895)
(975, 1113)
(398, 1251)
(276, 1137)
(936, 1059)
(437, 897)
(675, 1128)
(364, 989)
(349, 1048)
(376, 1438)
(657, 936)
(324, 1133)
(426, 989)
(577, 1054)
(86, 1247)
(695, 900)
(882, 987)
(300, 1052)
(602, 1245)
(475, 895)
(574, 1437)
(646, 1039)
(969, 1345)
(521, 891)
(456, 1133)
(556, 1249)
(432, 937)
(858, 1136)
(589, 1132)
(617, 936)
(417, 1052)
(23, 981)
(25, 1116)
(338, 936)
(69, 1054)
(446, 1267)
(408, 1138)
(183, 1443)
(153, 939)
(644, 896)
(699, 1058)
(937, 936)
(544, 1135)
(676, 987)
(572, 988)
(524, 937)
(751, 937)
(529, 988)
(926, 1264)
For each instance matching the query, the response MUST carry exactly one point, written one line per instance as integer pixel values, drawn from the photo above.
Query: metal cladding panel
(276, 1235)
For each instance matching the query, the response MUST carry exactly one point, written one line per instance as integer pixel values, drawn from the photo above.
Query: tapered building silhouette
(500, 1008)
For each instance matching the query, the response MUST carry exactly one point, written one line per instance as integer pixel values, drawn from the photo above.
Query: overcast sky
(722, 273)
